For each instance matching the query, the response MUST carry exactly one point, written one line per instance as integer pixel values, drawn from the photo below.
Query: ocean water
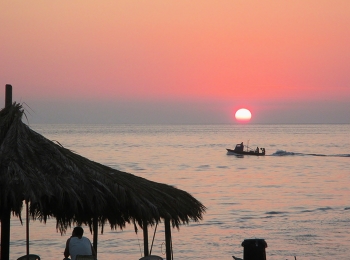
(297, 197)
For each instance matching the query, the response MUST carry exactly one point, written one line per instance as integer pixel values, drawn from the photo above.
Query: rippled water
(296, 197)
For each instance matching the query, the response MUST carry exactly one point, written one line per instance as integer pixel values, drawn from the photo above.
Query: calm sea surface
(297, 197)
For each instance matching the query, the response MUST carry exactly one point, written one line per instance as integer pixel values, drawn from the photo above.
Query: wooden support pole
(6, 211)
(5, 233)
(95, 234)
(168, 239)
(145, 239)
(8, 95)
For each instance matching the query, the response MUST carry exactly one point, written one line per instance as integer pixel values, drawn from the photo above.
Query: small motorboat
(239, 149)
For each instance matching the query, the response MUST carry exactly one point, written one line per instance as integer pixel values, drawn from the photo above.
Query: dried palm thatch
(62, 184)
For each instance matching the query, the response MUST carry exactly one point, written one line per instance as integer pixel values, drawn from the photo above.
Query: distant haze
(177, 61)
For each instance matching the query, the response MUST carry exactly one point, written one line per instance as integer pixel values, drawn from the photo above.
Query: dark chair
(84, 257)
(151, 257)
(254, 249)
(29, 257)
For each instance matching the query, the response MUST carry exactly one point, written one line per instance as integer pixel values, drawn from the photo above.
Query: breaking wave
(283, 153)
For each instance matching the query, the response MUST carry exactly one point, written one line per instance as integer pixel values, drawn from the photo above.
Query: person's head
(78, 231)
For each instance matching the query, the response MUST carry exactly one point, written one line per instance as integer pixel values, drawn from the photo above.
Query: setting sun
(243, 114)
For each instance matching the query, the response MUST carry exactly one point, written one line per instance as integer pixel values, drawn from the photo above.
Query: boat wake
(285, 153)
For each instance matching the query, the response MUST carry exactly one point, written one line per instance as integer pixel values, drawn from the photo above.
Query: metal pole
(154, 234)
(27, 226)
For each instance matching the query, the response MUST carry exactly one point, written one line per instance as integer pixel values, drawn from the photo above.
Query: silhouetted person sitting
(240, 149)
(78, 245)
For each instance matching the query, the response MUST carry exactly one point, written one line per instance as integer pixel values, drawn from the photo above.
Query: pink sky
(178, 61)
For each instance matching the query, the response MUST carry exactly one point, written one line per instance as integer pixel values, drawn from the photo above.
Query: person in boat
(239, 147)
(78, 245)
(257, 150)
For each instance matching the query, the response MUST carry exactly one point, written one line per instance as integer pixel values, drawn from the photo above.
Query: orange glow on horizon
(292, 54)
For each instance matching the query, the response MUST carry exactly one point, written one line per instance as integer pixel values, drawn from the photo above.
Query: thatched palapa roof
(62, 184)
